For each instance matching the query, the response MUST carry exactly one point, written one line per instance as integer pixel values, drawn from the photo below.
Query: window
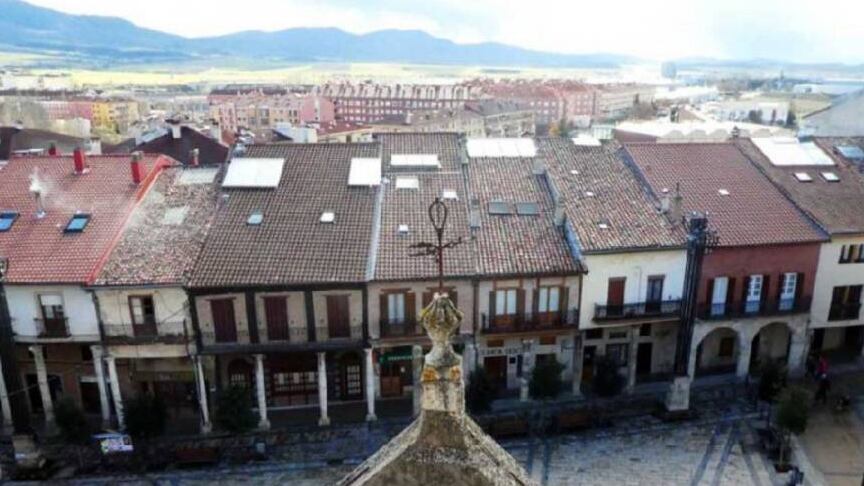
(654, 293)
(592, 334)
(7, 219)
(852, 253)
(527, 209)
(255, 219)
(505, 302)
(718, 296)
(396, 308)
(754, 294)
(830, 177)
(77, 223)
(549, 299)
(645, 330)
(499, 207)
(787, 291)
(727, 347)
(845, 303)
(142, 310)
(803, 177)
(618, 352)
(51, 307)
(328, 217)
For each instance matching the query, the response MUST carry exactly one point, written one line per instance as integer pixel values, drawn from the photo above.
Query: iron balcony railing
(210, 337)
(844, 312)
(638, 310)
(400, 328)
(499, 324)
(57, 327)
(173, 331)
(326, 333)
(746, 309)
(286, 334)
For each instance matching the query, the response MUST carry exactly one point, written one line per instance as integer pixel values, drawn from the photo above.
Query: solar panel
(197, 176)
(364, 172)
(527, 209)
(251, 173)
(787, 151)
(415, 160)
(851, 152)
(499, 207)
(407, 183)
(77, 223)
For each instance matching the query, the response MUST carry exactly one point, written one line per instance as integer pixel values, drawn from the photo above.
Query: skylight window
(403, 229)
(499, 207)
(449, 194)
(589, 194)
(7, 219)
(407, 183)
(328, 217)
(603, 224)
(851, 152)
(830, 177)
(255, 219)
(77, 223)
(803, 177)
(723, 192)
(527, 209)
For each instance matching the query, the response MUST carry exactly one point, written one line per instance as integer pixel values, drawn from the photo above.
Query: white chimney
(665, 201)
(474, 214)
(95, 146)
(176, 130)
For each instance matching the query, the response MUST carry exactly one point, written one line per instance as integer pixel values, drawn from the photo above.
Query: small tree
(771, 381)
(74, 429)
(792, 416)
(146, 416)
(234, 410)
(754, 116)
(608, 381)
(480, 392)
(546, 380)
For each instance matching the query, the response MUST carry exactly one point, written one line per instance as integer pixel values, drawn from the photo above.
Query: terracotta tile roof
(515, 244)
(447, 146)
(836, 206)
(830, 144)
(604, 191)
(291, 246)
(39, 251)
(753, 213)
(164, 236)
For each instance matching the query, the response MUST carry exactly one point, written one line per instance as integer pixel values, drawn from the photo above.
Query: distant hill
(35, 29)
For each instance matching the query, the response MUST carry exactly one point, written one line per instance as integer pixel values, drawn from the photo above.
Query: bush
(546, 380)
(146, 416)
(71, 421)
(793, 411)
(771, 381)
(480, 392)
(608, 382)
(234, 410)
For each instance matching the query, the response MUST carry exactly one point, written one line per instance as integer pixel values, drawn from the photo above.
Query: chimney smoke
(38, 191)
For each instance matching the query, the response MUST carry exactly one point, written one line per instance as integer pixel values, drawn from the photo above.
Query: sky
(791, 30)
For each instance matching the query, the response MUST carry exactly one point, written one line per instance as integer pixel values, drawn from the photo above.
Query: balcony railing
(325, 333)
(529, 322)
(209, 337)
(844, 312)
(638, 310)
(173, 331)
(753, 308)
(289, 334)
(402, 328)
(53, 328)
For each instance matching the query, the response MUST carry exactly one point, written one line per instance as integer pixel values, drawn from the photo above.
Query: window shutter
(766, 288)
(427, 298)
(563, 300)
(730, 292)
(799, 288)
(384, 309)
(781, 282)
(744, 291)
(410, 307)
(709, 302)
(491, 308)
(454, 297)
(520, 303)
(535, 302)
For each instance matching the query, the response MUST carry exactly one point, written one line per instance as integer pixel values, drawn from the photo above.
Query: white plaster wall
(296, 315)
(830, 274)
(205, 317)
(636, 267)
(464, 297)
(355, 306)
(170, 305)
(77, 304)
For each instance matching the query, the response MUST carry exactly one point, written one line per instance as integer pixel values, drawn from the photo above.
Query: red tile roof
(753, 213)
(39, 251)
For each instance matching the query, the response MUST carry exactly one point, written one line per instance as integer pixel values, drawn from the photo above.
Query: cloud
(801, 30)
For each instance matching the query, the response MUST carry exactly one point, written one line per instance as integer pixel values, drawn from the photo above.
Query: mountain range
(96, 39)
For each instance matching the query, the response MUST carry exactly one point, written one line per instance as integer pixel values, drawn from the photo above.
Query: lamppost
(11, 374)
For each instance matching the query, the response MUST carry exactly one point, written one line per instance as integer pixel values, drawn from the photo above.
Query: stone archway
(772, 341)
(717, 352)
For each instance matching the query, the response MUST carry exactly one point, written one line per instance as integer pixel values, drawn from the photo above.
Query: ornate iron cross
(438, 216)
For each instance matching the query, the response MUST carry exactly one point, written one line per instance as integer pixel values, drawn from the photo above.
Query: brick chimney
(52, 150)
(80, 160)
(194, 157)
(137, 170)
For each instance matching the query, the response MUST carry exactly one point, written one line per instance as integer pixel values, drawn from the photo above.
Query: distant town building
(669, 70)
(841, 119)
(264, 112)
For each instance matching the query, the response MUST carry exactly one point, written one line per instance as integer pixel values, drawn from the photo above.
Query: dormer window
(7, 219)
(77, 223)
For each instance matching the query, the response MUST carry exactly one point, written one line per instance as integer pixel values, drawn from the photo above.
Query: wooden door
(224, 324)
(588, 356)
(276, 313)
(643, 359)
(496, 371)
(338, 316)
(615, 297)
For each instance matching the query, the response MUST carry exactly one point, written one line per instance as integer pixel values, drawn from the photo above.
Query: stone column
(4, 404)
(631, 360)
(324, 420)
(798, 352)
(201, 382)
(469, 359)
(115, 391)
(99, 368)
(370, 386)
(417, 370)
(263, 423)
(527, 366)
(694, 354)
(44, 390)
(577, 364)
(743, 365)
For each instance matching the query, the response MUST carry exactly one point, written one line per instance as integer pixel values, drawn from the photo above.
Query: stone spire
(443, 445)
